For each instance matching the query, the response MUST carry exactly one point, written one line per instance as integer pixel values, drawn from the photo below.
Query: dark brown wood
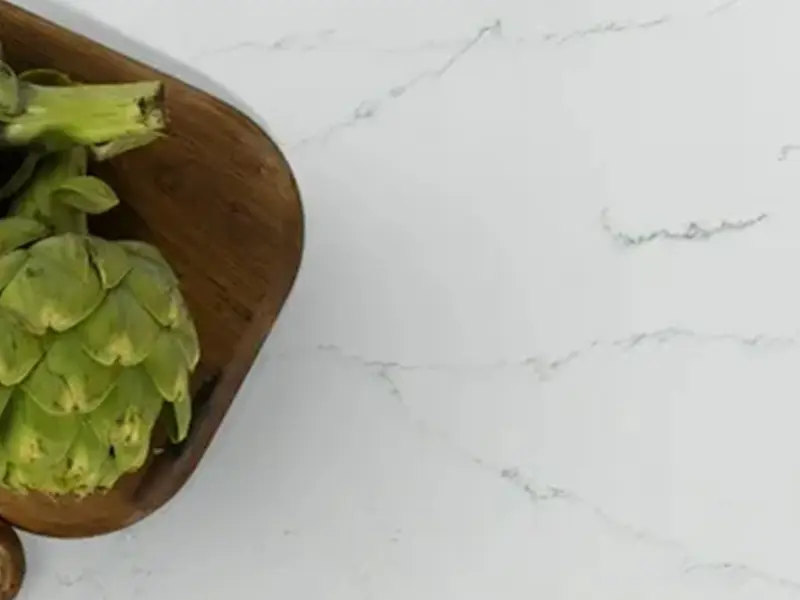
(220, 201)
(12, 563)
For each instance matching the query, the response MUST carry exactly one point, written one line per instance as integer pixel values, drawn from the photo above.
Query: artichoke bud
(95, 343)
(96, 340)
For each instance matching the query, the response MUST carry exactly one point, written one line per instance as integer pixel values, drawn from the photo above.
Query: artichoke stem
(86, 115)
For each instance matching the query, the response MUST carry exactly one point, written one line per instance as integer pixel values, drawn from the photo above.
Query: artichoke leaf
(108, 474)
(185, 335)
(166, 365)
(23, 479)
(159, 296)
(82, 466)
(119, 330)
(110, 260)
(33, 437)
(16, 232)
(47, 295)
(86, 193)
(10, 264)
(151, 257)
(68, 251)
(20, 351)
(130, 411)
(129, 458)
(180, 419)
(68, 380)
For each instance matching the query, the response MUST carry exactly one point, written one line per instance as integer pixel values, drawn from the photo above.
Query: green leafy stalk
(57, 117)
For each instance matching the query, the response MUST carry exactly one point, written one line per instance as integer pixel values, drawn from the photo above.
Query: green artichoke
(96, 341)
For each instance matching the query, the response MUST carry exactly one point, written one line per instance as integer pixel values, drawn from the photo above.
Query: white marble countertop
(544, 343)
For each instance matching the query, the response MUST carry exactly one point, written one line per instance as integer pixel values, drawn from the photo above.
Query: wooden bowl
(219, 200)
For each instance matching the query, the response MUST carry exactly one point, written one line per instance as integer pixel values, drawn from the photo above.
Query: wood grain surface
(220, 201)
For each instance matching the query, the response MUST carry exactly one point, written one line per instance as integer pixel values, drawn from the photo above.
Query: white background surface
(512, 368)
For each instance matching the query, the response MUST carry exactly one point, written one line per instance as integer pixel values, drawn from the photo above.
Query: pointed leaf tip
(180, 419)
(86, 193)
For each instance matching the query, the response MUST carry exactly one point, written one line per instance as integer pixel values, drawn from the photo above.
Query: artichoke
(96, 342)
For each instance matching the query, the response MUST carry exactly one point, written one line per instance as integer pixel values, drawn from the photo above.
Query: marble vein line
(537, 493)
(329, 39)
(547, 367)
(367, 109)
(605, 28)
(534, 491)
(744, 571)
(727, 5)
(394, 389)
(686, 561)
(296, 42)
(692, 231)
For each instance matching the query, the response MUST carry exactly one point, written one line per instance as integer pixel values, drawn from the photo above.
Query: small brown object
(12, 562)
(219, 200)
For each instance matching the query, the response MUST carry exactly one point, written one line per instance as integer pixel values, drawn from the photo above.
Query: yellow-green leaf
(19, 231)
(119, 330)
(182, 417)
(166, 365)
(20, 350)
(84, 461)
(128, 414)
(158, 296)
(56, 288)
(86, 193)
(34, 437)
(110, 259)
(68, 380)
